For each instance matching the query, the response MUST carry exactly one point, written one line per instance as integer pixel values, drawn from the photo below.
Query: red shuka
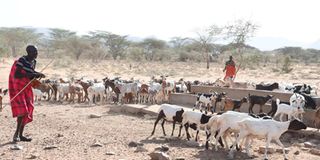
(22, 105)
(230, 71)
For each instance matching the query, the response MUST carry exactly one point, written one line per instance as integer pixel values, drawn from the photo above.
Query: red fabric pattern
(230, 71)
(22, 105)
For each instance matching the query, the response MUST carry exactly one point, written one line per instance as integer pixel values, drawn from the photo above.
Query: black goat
(260, 100)
(268, 87)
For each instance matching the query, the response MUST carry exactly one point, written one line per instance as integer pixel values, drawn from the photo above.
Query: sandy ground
(68, 127)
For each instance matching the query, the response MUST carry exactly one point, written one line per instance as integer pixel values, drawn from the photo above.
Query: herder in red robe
(22, 72)
(230, 69)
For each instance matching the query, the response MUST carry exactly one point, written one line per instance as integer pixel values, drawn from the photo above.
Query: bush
(286, 65)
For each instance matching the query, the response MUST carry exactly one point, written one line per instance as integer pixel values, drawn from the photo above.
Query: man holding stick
(20, 90)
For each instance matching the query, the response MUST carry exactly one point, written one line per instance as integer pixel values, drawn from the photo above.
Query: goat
(309, 102)
(95, 90)
(274, 107)
(169, 112)
(267, 87)
(46, 88)
(155, 92)
(297, 100)
(269, 129)
(2, 94)
(206, 99)
(218, 99)
(291, 111)
(260, 100)
(76, 89)
(191, 117)
(143, 93)
(37, 94)
(232, 104)
(316, 121)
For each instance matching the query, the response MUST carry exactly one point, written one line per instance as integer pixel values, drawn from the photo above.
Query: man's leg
(22, 138)
(19, 124)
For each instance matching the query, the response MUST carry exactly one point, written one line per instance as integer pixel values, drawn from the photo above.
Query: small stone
(315, 151)
(110, 153)
(96, 145)
(159, 156)
(270, 150)
(141, 149)
(94, 116)
(180, 158)
(59, 135)
(286, 150)
(32, 156)
(2, 154)
(296, 153)
(163, 148)
(135, 144)
(16, 147)
(305, 149)
(309, 145)
(49, 147)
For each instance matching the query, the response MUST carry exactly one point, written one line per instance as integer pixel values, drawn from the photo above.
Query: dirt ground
(73, 133)
(69, 128)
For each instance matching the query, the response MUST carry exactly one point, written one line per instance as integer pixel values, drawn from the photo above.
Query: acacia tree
(97, 49)
(17, 38)
(77, 45)
(239, 32)
(59, 38)
(151, 46)
(205, 40)
(115, 44)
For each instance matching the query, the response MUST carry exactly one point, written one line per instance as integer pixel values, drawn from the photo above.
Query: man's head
(230, 57)
(32, 52)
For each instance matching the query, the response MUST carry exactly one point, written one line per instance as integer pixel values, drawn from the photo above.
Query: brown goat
(76, 89)
(316, 120)
(85, 86)
(232, 104)
(143, 93)
(46, 88)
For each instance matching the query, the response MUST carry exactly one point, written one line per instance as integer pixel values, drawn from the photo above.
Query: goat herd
(246, 126)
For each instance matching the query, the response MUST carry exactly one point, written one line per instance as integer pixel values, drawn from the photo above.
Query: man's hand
(40, 75)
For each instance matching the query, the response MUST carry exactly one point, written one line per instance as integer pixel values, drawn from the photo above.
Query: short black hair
(31, 49)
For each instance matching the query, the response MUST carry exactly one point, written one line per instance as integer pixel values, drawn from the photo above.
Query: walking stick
(26, 85)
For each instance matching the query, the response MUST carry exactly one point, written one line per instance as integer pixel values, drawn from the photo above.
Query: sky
(287, 21)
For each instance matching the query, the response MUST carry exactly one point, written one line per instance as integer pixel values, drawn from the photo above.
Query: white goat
(192, 117)
(63, 90)
(205, 99)
(297, 100)
(155, 92)
(37, 94)
(169, 112)
(97, 89)
(269, 129)
(291, 111)
(227, 122)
